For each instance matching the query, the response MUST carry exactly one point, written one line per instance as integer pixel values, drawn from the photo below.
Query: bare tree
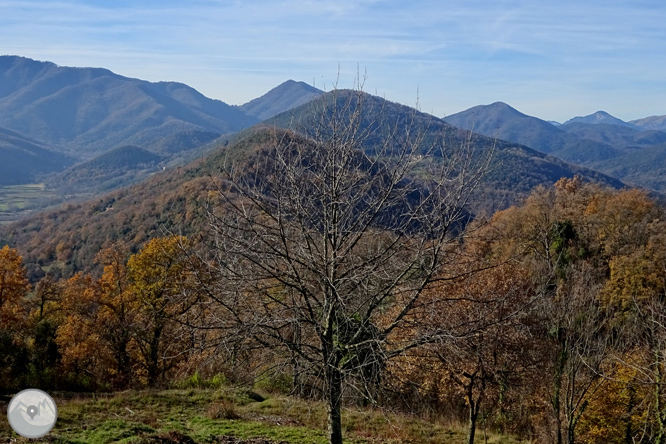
(326, 236)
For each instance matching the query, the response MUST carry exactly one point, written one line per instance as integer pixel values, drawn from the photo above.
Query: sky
(549, 59)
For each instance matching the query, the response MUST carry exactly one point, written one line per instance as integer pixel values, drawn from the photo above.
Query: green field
(214, 416)
(16, 200)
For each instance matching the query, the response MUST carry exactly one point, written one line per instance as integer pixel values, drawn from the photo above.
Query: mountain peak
(505, 107)
(505, 122)
(597, 118)
(283, 97)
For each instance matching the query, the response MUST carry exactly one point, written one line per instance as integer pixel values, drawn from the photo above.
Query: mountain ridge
(505, 122)
(167, 199)
(599, 117)
(651, 122)
(592, 143)
(84, 111)
(287, 95)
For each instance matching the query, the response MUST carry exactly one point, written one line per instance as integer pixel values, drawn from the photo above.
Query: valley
(18, 200)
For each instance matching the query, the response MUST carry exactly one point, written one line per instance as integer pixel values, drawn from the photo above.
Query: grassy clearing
(207, 416)
(16, 199)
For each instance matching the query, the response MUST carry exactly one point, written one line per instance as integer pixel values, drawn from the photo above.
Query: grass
(16, 199)
(206, 416)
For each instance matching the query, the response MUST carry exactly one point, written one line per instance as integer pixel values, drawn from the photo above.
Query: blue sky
(553, 60)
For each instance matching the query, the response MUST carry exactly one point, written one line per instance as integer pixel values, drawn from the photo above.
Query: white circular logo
(32, 413)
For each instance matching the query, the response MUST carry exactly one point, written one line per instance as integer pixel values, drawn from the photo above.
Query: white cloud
(459, 52)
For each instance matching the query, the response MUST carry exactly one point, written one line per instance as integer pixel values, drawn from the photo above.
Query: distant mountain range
(172, 199)
(600, 117)
(501, 121)
(85, 131)
(599, 141)
(653, 122)
(84, 111)
(54, 116)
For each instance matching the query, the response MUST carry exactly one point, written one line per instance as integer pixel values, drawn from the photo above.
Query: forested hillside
(86, 111)
(598, 141)
(347, 259)
(550, 303)
(25, 160)
(170, 200)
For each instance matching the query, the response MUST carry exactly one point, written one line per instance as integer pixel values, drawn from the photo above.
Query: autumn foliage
(549, 324)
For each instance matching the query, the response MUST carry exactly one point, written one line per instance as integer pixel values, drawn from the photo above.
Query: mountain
(284, 97)
(112, 169)
(645, 168)
(506, 123)
(86, 111)
(600, 117)
(652, 123)
(618, 136)
(629, 152)
(122, 157)
(24, 160)
(517, 168)
(173, 199)
(180, 142)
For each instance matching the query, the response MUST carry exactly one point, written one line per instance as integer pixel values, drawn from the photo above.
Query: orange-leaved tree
(95, 336)
(163, 289)
(14, 287)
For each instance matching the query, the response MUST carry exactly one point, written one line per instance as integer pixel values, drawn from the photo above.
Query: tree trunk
(473, 415)
(659, 414)
(334, 380)
(153, 354)
(557, 390)
(123, 360)
(474, 405)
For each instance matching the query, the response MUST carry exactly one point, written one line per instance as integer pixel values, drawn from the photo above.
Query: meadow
(229, 415)
(16, 200)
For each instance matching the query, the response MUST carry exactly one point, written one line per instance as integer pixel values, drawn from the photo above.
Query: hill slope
(85, 111)
(23, 160)
(646, 168)
(618, 136)
(516, 169)
(628, 152)
(114, 168)
(67, 239)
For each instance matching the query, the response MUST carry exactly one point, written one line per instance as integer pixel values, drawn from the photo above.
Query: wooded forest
(363, 280)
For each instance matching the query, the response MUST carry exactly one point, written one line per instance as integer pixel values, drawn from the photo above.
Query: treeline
(549, 322)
